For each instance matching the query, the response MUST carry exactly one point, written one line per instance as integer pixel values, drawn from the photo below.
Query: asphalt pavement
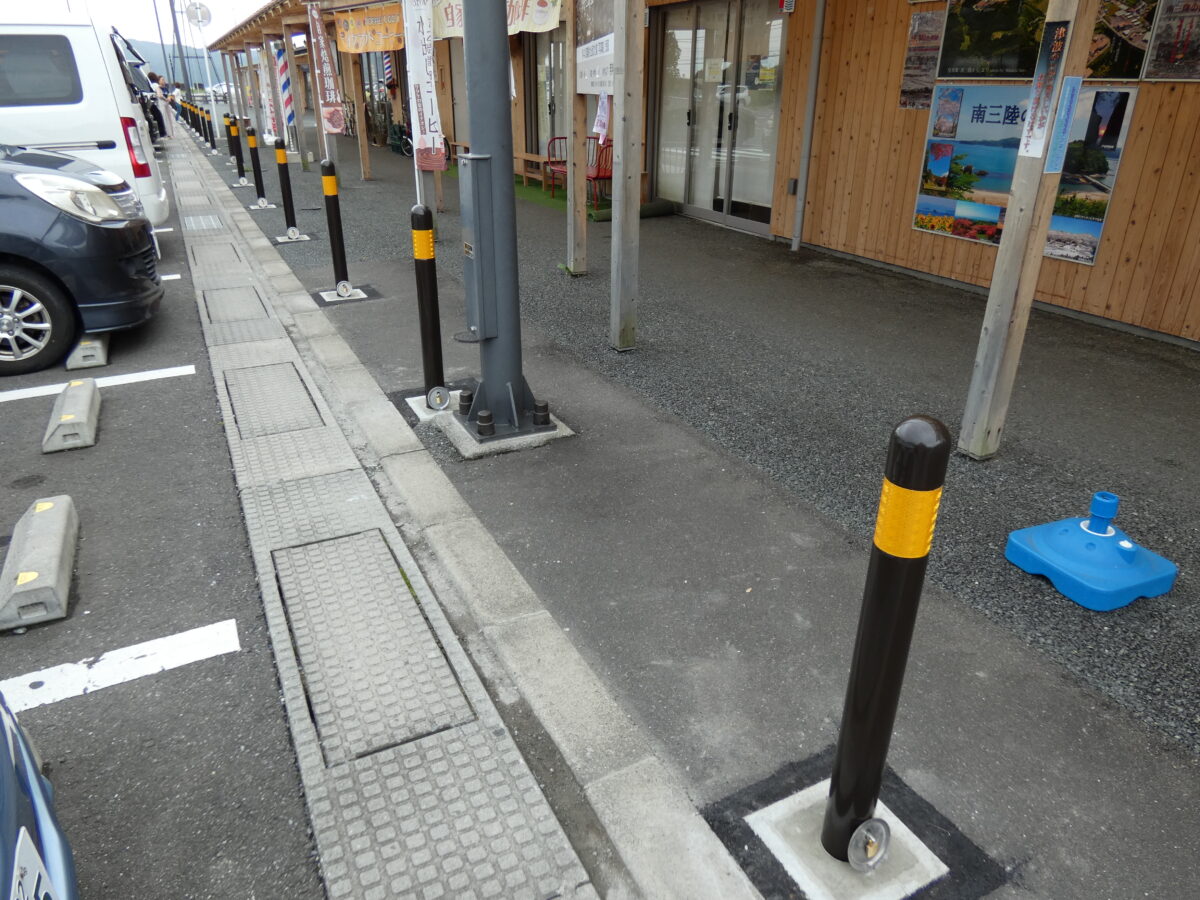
(181, 783)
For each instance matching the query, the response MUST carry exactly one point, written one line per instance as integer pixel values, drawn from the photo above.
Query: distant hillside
(156, 60)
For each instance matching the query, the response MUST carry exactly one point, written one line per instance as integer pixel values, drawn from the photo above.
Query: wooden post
(629, 43)
(352, 65)
(576, 158)
(1018, 263)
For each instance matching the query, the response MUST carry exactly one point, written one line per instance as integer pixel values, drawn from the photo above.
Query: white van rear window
(38, 70)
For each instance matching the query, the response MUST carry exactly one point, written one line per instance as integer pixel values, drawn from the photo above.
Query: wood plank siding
(866, 161)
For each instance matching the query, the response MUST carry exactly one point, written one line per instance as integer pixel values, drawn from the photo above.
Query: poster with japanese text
(991, 38)
(920, 62)
(429, 147)
(1047, 76)
(1095, 141)
(970, 154)
(1175, 46)
(329, 96)
(1120, 39)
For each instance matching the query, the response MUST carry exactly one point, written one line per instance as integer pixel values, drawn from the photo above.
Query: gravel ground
(800, 363)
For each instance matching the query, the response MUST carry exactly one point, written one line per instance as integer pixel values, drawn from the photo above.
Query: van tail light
(137, 153)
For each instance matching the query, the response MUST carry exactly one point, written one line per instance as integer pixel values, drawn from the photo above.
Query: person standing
(161, 106)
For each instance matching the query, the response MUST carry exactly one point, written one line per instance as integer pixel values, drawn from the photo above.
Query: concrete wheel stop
(773, 830)
(74, 418)
(35, 582)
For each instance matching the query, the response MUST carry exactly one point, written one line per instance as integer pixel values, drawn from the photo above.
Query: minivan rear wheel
(37, 321)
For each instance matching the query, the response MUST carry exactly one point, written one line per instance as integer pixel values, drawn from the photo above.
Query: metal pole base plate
(284, 239)
(335, 297)
(256, 206)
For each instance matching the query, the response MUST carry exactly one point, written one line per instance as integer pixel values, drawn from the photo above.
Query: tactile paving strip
(270, 399)
(220, 333)
(307, 510)
(455, 815)
(291, 455)
(374, 673)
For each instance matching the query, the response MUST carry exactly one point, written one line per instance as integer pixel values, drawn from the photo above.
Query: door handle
(731, 121)
(689, 118)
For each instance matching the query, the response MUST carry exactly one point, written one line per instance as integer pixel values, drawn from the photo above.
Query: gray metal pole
(492, 289)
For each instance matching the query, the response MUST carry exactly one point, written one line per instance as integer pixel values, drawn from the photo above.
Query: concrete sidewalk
(702, 543)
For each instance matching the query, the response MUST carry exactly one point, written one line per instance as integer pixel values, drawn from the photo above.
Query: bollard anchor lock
(868, 846)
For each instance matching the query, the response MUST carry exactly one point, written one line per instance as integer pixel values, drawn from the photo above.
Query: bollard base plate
(284, 239)
(254, 207)
(333, 298)
(791, 830)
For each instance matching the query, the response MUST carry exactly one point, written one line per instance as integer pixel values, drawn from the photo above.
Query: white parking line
(171, 277)
(47, 390)
(119, 666)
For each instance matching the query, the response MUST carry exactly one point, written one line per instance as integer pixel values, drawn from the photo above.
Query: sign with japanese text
(329, 96)
(1062, 122)
(920, 62)
(370, 30)
(1046, 79)
(1119, 39)
(970, 155)
(595, 51)
(991, 38)
(1175, 47)
(429, 147)
(523, 15)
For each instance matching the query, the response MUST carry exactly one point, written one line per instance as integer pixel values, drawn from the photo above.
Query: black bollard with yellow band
(333, 216)
(425, 264)
(912, 489)
(252, 142)
(228, 123)
(285, 194)
(236, 139)
(210, 131)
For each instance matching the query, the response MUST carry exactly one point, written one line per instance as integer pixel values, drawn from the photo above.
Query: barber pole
(285, 86)
(389, 77)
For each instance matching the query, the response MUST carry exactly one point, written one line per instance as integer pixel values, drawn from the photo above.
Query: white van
(64, 86)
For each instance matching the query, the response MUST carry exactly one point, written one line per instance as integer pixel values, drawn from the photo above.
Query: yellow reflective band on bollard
(329, 185)
(253, 140)
(233, 129)
(904, 526)
(423, 244)
(281, 156)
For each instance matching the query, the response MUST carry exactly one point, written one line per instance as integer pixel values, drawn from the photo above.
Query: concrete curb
(74, 417)
(35, 583)
(661, 841)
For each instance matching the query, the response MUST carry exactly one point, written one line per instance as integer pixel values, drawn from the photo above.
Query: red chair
(556, 162)
(600, 169)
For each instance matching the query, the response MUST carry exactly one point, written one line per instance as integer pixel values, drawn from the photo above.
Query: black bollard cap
(422, 218)
(918, 454)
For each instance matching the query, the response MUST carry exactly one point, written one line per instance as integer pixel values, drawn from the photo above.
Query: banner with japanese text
(429, 146)
(329, 96)
(370, 30)
(523, 15)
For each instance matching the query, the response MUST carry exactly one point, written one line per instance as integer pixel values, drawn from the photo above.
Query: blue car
(35, 858)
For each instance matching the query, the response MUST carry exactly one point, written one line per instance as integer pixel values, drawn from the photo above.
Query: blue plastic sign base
(1090, 561)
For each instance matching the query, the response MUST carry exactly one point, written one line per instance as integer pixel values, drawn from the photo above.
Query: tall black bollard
(285, 193)
(425, 263)
(225, 120)
(912, 489)
(210, 130)
(252, 140)
(333, 215)
(237, 151)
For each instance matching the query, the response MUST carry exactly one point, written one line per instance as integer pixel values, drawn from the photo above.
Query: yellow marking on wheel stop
(329, 185)
(66, 417)
(904, 526)
(76, 383)
(281, 156)
(26, 577)
(423, 243)
(43, 506)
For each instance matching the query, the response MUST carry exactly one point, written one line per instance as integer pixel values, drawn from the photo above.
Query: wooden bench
(530, 165)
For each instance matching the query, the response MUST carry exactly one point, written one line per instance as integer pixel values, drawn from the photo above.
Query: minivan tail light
(137, 154)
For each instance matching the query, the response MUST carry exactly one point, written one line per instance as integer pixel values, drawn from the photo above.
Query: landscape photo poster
(1174, 53)
(970, 155)
(1120, 39)
(920, 62)
(991, 38)
(1095, 141)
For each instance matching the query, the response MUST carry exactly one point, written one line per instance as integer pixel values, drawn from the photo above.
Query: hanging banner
(267, 95)
(371, 30)
(329, 97)
(920, 63)
(523, 15)
(595, 51)
(429, 146)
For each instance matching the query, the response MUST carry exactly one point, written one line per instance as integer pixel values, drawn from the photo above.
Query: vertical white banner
(429, 147)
